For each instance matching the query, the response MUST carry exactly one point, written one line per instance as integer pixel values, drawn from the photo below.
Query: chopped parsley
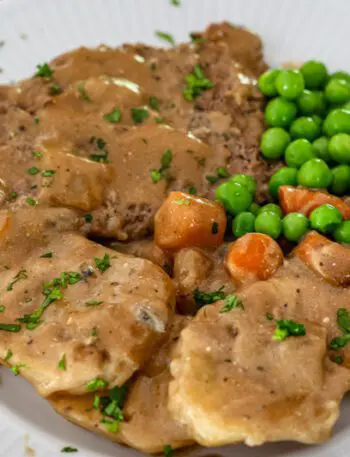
(159, 120)
(165, 37)
(97, 402)
(96, 384)
(111, 408)
(168, 451)
(214, 228)
(231, 302)
(82, 92)
(343, 321)
(206, 298)
(62, 363)
(139, 115)
(102, 264)
(2, 309)
(196, 38)
(55, 89)
(94, 303)
(196, 83)
(8, 355)
(16, 369)
(33, 171)
(48, 173)
(22, 274)
(286, 328)
(220, 173)
(175, 2)
(94, 331)
(14, 328)
(46, 255)
(181, 201)
(44, 70)
(269, 316)
(338, 359)
(31, 201)
(165, 162)
(88, 218)
(154, 103)
(192, 190)
(37, 154)
(13, 194)
(36, 119)
(68, 449)
(101, 157)
(114, 116)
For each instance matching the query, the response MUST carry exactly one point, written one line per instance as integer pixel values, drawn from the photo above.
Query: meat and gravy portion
(131, 298)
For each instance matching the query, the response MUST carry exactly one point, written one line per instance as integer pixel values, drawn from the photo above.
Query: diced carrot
(186, 220)
(253, 257)
(328, 259)
(304, 201)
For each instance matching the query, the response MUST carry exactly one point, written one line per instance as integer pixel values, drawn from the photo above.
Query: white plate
(37, 30)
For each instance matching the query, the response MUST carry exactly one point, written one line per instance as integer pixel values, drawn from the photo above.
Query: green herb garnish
(88, 218)
(22, 274)
(46, 255)
(36, 119)
(338, 359)
(181, 201)
(168, 451)
(48, 173)
(82, 92)
(196, 83)
(94, 303)
(114, 116)
(101, 157)
(165, 37)
(37, 154)
(231, 302)
(55, 89)
(44, 70)
(343, 321)
(192, 190)
(286, 328)
(2, 309)
(102, 264)
(206, 298)
(269, 316)
(8, 355)
(31, 201)
(165, 162)
(96, 384)
(68, 449)
(62, 363)
(139, 115)
(154, 103)
(14, 328)
(16, 369)
(33, 171)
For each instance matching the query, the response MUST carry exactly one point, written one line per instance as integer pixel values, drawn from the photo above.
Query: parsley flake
(286, 328)
(101, 157)
(33, 171)
(231, 302)
(154, 103)
(68, 449)
(2, 309)
(102, 264)
(94, 303)
(165, 162)
(8, 355)
(139, 115)
(343, 321)
(88, 218)
(62, 363)
(114, 116)
(48, 173)
(196, 83)
(97, 402)
(82, 92)
(269, 316)
(14, 328)
(165, 37)
(44, 70)
(55, 89)
(16, 369)
(206, 298)
(338, 359)
(22, 274)
(168, 451)
(181, 201)
(31, 201)
(36, 119)
(175, 2)
(46, 255)
(96, 384)
(37, 154)
(192, 190)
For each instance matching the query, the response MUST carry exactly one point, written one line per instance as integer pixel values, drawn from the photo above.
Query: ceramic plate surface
(34, 31)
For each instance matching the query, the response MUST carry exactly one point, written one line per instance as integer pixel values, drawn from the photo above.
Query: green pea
(346, 106)
(285, 176)
(311, 102)
(290, 84)
(272, 208)
(266, 82)
(254, 208)
(243, 223)
(274, 142)
(341, 180)
(337, 121)
(280, 112)
(245, 180)
(337, 91)
(317, 119)
(299, 152)
(315, 74)
(305, 127)
(342, 233)
(269, 223)
(315, 173)
(341, 75)
(339, 148)
(326, 218)
(235, 197)
(295, 225)
(321, 148)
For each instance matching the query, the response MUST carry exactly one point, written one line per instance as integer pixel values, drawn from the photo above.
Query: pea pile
(237, 195)
(308, 116)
